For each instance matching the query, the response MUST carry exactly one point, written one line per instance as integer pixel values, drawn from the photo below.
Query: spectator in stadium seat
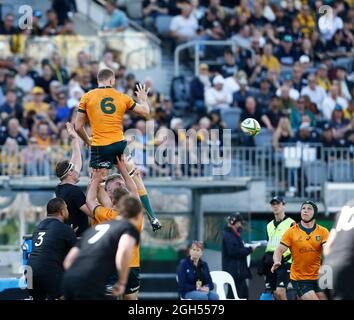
(234, 255)
(60, 72)
(62, 108)
(194, 280)
(315, 92)
(272, 116)
(55, 88)
(307, 23)
(331, 100)
(264, 95)
(322, 77)
(7, 26)
(337, 24)
(36, 29)
(239, 97)
(153, 9)
(13, 132)
(287, 86)
(46, 78)
(349, 112)
(257, 18)
(85, 83)
(243, 38)
(251, 111)
(52, 26)
(121, 82)
(269, 60)
(42, 135)
(63, 8)
(116, 20)
(184, 26)
(229, 68)
(286, 52)
(198, 86)
(131, 85)
(23, 80)
(37, 103)
(257, 72)
(82, 63)
(108, 61)
(155, 97)
(94, 67)
(306, 133)
(11, 85)
(339, 124)
(327, 139)
(287, 102)
(216, 97)
(297, 113)
(11, 108)
(344, 84)
(282, 134)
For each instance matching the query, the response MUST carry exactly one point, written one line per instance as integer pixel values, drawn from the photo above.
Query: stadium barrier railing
(295, 170)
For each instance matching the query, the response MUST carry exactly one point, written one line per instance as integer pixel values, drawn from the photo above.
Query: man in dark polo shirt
(68, 173)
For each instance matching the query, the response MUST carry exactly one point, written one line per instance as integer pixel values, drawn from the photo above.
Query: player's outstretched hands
(71, 131)
(96, 175)
(142, 92)
(275, 266)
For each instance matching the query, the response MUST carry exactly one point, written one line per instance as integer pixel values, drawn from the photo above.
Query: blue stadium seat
(264, 138)
(231, 117)
(162, 24)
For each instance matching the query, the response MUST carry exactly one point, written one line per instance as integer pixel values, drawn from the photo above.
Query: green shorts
(304, 286)
(133, 284)
(106, 156)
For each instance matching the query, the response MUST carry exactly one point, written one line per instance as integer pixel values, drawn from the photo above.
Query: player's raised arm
(142, 108)
(92, 190)
(76, 154)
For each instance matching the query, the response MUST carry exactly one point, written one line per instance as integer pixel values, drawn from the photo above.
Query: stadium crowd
(285, 69)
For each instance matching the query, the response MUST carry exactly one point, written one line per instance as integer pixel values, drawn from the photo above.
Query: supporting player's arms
(80, 122)
(91, 195)
(123, 259)
(129, 182)
(76, 155)
(277, 257)
(142, 108)
(71, 257)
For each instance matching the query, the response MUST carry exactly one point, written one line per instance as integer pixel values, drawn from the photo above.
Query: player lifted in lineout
(104, 108)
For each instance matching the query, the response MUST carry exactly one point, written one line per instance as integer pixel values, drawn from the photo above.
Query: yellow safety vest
(275, 234)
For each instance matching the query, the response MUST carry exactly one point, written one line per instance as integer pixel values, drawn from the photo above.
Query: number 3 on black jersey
(40, 239)
(102, 229)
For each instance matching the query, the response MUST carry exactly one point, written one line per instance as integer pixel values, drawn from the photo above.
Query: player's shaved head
(55, 206)
(129, 207)
(105, 75)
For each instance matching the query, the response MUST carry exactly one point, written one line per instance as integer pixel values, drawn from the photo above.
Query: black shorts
(279, 279)
(133, 284)
(46, 288)
(304, 286)
(106, 156)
